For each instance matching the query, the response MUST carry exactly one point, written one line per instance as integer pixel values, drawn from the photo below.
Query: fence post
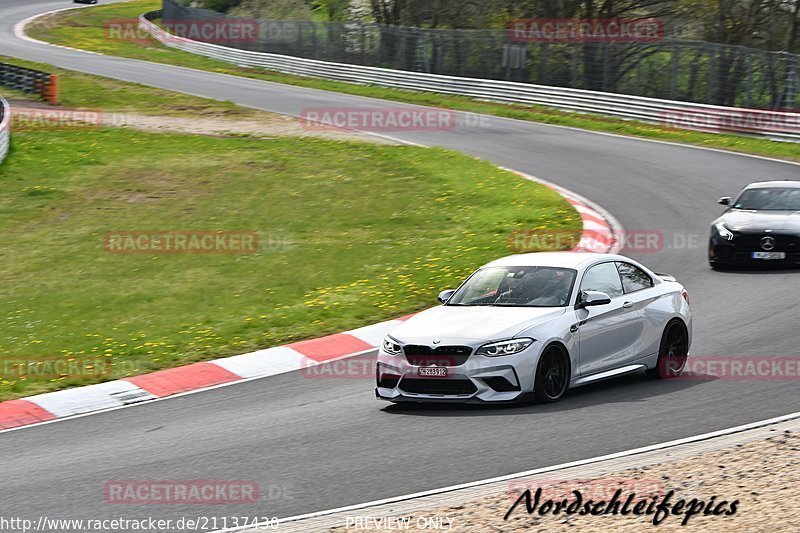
(575, 54)
(711, 67)
(639, 53)
(51, 89)
(748, 98)
(790, 84)
(543, 58)
(363, 44)
(676, 57)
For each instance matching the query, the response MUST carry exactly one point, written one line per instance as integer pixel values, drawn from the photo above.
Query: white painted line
(626, 453)
(19, 30)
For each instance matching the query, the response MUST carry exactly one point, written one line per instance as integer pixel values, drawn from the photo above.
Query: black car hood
(755, 221)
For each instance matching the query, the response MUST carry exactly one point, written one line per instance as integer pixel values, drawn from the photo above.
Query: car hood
(747, 221)
(480, 323)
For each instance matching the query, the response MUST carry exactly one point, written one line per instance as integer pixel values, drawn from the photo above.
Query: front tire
(552, 375)
(673, 352)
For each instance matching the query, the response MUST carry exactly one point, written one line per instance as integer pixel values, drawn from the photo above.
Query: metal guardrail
(776, 125)
(5, 127)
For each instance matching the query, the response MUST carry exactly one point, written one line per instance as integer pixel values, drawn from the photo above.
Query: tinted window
(769, 199)
(604, 278)
(526, 286)
(633, 278)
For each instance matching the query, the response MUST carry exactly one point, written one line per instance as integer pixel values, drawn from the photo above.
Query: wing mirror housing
(592, 298)
(725, 200)
(445, 295)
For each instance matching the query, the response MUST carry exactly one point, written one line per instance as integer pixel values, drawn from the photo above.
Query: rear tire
(673, 352)
(552, 375)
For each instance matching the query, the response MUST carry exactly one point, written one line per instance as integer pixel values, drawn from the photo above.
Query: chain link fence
(691, 71)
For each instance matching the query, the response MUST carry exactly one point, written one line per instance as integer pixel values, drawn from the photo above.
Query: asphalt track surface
(314, 444)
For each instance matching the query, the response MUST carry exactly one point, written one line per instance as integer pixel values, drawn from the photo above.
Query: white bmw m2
(534, 325)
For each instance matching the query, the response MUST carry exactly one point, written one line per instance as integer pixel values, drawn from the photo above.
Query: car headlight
(391, 347)
(509, 347)
(723, 231)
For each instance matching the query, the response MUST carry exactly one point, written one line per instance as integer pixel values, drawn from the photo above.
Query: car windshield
(769, 199)
(528, 286)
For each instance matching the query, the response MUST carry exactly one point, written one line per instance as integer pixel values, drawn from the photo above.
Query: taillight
(685, 295)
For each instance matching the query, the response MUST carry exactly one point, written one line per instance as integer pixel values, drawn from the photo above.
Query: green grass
(352, 233)
(87, 30)
(79, 90)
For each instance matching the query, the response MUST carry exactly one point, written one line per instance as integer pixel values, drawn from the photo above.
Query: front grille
(751, 242)
(438, 386)
(420, 355)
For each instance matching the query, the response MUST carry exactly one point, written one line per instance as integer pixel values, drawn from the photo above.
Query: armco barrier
(775, 125)
(5, 127)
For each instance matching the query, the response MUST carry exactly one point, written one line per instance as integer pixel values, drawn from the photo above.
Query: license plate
(769, 255)
(432, 371)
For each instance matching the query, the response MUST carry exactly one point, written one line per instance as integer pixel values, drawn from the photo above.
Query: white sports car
(536, 325)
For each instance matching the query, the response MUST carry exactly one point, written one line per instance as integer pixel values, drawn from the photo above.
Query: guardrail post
(51, 90)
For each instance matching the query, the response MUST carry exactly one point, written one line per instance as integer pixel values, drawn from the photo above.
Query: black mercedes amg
(761, 226)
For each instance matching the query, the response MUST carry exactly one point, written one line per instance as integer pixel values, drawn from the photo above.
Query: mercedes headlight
(391, 347)
(723, 231)
(509, 347)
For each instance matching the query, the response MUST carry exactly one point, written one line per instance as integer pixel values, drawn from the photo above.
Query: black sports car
(762, 226)
(84, 1)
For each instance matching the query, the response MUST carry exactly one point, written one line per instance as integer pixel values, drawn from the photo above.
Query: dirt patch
(763, 476)
(257, 124)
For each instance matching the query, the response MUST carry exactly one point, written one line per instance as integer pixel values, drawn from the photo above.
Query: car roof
(786, 184)
(574, 260)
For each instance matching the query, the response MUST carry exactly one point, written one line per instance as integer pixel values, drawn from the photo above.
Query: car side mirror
(592, 298)
(445, 295)
(725, 200)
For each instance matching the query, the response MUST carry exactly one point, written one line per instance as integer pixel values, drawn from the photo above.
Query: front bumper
(739, 250)
(480, 379)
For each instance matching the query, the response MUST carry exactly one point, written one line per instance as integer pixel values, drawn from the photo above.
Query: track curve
(327, 443)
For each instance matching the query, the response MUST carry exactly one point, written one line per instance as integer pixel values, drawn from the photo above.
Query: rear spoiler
(666, 277)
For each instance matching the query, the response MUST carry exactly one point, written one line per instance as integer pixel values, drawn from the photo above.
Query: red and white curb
(191, 378)
(601, 233)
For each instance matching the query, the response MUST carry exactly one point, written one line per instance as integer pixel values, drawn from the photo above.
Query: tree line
(772, 25)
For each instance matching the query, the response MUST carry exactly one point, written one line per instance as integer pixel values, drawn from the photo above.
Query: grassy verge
(87, 30)
(350, 234)
(79, 90)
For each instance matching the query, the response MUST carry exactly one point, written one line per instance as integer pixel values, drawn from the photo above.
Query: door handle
(626, 305)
